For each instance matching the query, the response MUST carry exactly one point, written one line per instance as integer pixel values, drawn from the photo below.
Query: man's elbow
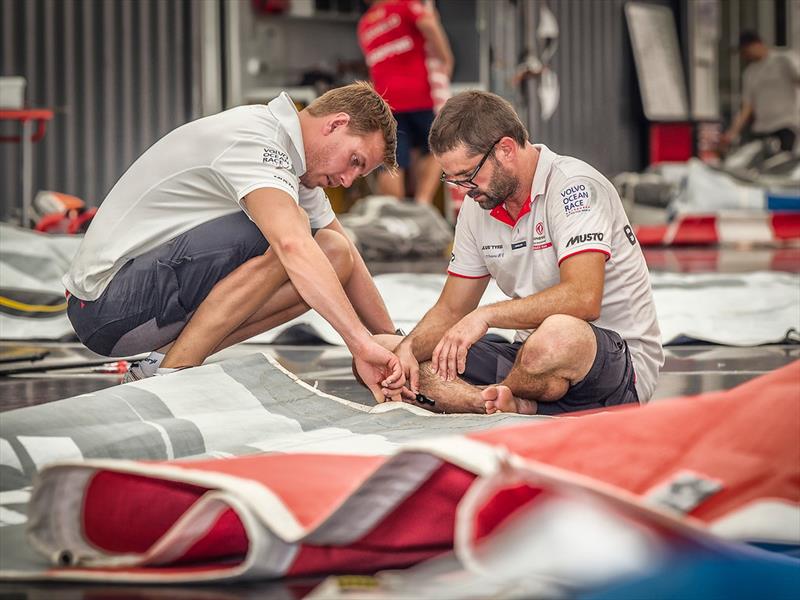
(590, 306)
(288, 247)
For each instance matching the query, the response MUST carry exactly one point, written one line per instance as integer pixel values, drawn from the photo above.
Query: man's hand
(449, 358)
(380, 371)
(410, 366)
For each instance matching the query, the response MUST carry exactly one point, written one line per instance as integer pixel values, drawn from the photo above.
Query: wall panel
(118, 74)
(599, 117)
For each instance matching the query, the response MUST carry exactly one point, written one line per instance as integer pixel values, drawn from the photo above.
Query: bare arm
(286, 227)
(431, 29)
(742, 118)
(579, 293)
(458, 298)
(363, 294)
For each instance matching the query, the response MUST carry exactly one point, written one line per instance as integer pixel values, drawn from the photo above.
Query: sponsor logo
(493, 250)
(540, 239)
(389, 49)
(629, 233)
(452, 256)
(276, 158)
(576, 198)
(287, 182)
(381, 27)
(585, 237)
(518, 245)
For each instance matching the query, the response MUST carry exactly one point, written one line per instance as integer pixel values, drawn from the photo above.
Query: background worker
(771, 94)
(410, 63)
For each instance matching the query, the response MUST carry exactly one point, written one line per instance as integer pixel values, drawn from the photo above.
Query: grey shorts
(609, 382)
(150, 300)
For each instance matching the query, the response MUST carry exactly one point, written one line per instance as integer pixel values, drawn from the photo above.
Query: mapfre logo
(585, 237)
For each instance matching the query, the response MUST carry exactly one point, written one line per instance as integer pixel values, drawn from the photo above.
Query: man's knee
(560, 341)
(338, 251)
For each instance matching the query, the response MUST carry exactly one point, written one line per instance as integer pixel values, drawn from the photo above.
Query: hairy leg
(455, 396)
(557, 355)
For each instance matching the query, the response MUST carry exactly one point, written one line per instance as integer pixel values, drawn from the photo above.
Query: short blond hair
(368, 113)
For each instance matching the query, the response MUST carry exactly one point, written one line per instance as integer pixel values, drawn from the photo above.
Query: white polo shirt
(572, 209)
(198, 172)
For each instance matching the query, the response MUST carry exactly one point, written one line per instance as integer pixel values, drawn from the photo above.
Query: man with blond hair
(221, 231)
(551, 231)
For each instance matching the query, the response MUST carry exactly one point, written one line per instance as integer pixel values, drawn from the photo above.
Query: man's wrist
(405, 344)
(359, 341)
(485, 313)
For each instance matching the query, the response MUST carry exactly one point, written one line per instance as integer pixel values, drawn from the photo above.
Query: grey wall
(599, 118)
(118, 74)
(459, 19)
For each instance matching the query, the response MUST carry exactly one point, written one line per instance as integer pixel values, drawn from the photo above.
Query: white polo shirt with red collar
(572, 209)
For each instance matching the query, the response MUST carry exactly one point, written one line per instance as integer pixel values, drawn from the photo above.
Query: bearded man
(552, 232)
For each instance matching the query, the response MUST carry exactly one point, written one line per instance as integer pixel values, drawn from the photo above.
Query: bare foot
(498, 398)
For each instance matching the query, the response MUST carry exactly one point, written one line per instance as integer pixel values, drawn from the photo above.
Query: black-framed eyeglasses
(468, 183)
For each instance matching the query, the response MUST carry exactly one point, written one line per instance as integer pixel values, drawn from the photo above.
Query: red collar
(501, 214)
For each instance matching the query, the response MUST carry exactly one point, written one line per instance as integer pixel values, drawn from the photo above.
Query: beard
(502, 186)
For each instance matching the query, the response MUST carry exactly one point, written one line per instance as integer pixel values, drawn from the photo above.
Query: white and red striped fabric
(720, 464)
(723, 229)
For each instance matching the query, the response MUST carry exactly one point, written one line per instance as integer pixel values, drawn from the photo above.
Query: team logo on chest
(540, 241)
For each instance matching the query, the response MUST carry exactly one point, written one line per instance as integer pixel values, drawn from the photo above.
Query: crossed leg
(560, 353)
(253, 298)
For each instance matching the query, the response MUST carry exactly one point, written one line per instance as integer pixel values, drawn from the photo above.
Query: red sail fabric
(696, 466)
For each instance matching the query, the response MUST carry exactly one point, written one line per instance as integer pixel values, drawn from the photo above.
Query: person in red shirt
(410, 63)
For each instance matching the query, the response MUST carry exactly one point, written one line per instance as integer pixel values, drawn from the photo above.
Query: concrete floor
(689, 369)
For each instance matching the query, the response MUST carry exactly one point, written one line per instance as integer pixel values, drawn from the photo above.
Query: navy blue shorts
(609, 382)
(150, 300)
(412, 132)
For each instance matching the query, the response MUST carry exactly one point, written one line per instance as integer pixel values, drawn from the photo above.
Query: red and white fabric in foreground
(732, 228)
(697, 469)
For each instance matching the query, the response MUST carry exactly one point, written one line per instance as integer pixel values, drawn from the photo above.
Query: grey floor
(689, 369)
